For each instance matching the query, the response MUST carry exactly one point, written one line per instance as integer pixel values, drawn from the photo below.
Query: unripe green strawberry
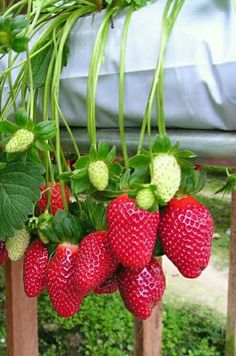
(98, 174)
(20, 141)
(166, 175)
(145, 198)
(4, 38)
(17, 244)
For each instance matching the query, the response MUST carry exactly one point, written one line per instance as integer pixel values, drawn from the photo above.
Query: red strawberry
(95, 262)
(3, 253)
(35, 268)
(141, 290)
(56, 201)
(61, 280)
(132, 231)
(109, 286)
(186, 232)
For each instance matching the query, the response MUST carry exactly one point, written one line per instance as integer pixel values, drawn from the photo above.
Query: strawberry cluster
(99, 230)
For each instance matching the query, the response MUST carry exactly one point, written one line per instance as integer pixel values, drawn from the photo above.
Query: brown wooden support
(148, 333)
(231, 317)
(21, 314)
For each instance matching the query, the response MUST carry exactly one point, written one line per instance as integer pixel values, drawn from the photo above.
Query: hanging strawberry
(109, 286)
(53, 193)
(95, 262)
(35, 268)
(142, 289)
(95, 171)
(132, 231)
(17, 244)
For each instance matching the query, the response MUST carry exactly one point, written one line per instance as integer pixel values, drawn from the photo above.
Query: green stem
(59, 47)
(168, 21)
(10, 79)
(95, 63)
(31, 86)
(121, 86)
(69, 131)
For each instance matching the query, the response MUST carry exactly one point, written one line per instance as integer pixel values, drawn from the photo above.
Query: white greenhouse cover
(200, 67)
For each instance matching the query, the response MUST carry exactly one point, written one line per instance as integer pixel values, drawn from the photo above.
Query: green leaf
(45, 130)
(8, 127)
(186, 154)
(139, 161)
(80, 173)
(19, 44)
(40, 64)
(94, 214)
(124, 183)
(32, 155)
(82, 162)
(80, 185)
(115, 169)
(162, 144)
(43, 146)
(111, 155)
(103, 150)
(19, 190)
(2, 165)
(67, 227)
(139, 176)
(21, 117)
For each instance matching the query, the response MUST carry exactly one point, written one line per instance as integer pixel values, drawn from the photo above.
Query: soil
(210, 289)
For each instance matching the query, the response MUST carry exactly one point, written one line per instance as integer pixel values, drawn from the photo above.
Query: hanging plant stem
(59, 47)
(121, 86)
(10, 79)
(170, 14)
(96, 60)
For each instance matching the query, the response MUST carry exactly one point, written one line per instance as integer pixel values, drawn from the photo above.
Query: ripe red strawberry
(142, 289)
(95, 262)
(109, 286)
(186, 232)
(132, 231)
(35, 268)
(56, 201)
(3, 253)
(61, 280)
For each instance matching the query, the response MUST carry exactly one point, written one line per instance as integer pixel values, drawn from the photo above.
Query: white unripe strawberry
(166, 176)
(145, 198)
(20, 141)
(98, 174)
(17, 244)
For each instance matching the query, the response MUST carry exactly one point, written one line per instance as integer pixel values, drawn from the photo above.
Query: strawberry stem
(95, 64)
(121, 86)
(168, 21)
(10, 79)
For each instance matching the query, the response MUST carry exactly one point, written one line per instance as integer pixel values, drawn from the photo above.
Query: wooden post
(148, 333)
(21, 314)
(231, 318)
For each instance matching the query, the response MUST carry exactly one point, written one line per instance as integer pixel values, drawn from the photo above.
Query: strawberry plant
(93, 225)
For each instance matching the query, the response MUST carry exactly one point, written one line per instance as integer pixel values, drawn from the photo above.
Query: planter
(200, 86)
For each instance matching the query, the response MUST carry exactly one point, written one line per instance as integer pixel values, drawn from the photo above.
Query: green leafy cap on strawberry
(230, 184)
(162, 166)
(24, 136)
(63, 227)
(96, 171)
(12, 34)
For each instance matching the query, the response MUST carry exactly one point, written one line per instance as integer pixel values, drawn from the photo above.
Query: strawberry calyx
(63, 227)
(230, 184)
(24, 136)
(97, 171)
(192, 181)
